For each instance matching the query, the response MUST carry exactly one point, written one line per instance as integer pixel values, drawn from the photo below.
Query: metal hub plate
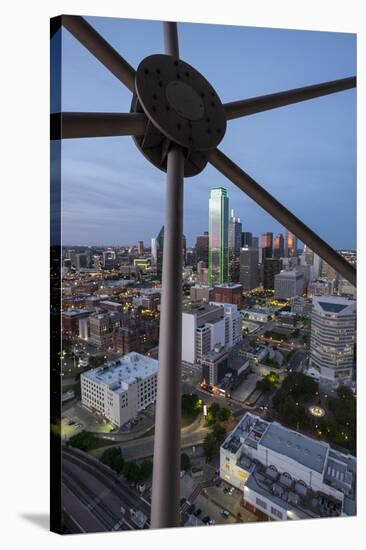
(180, 102)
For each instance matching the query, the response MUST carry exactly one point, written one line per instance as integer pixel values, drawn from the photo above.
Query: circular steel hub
(182, 107)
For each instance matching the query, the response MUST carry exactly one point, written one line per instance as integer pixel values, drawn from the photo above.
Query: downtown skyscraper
(234, 240)
(218, 254)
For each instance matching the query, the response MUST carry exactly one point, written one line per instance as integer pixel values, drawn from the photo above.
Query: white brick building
(121, 388)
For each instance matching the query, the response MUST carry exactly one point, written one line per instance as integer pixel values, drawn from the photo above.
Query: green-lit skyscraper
(218, 257)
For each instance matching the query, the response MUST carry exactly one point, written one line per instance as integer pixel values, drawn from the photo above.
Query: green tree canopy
(131, 471)
(185, 461)
(224, 414)
(113, 457)
(191, 404)
(83, 441)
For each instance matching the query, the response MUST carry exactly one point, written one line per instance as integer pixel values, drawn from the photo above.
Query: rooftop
(126, 369)
(199, 308)
(294, 445)
(230, 286)
(78, 311)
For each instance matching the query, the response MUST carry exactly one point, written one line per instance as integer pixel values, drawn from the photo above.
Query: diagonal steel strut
(253, 105)
(89, 125)
(100, 48)
(247, 184)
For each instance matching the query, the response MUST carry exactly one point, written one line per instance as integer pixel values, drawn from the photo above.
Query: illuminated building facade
(218, 236)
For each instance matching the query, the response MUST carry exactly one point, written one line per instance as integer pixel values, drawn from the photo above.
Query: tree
(300, 386)
(212, 413)
(224, 414)
(83, 441)
(131, 471)
(191, 404)
(209, 446)
(113, 457)
(263, 385)
(146, 469)
(219, 433)
(185, 461)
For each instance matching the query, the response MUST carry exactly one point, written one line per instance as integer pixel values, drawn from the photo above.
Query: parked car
(206, 520)
(225, 514)
(197, 512)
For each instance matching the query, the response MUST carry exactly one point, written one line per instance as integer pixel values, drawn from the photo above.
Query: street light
(177, 120)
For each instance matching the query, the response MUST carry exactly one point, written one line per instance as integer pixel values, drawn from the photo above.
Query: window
(276, 512)
(261, 503)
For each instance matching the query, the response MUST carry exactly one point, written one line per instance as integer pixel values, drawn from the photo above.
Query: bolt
(208, 119)
(176, 63)
(158, 70)
(146, 71)
(178, 126)
(160, 83)
(167, 108)
(178, 76)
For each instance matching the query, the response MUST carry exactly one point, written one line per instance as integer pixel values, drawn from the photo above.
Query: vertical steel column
(166, 474)
(171, 38)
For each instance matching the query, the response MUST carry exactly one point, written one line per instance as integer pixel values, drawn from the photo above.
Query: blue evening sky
(304, 154)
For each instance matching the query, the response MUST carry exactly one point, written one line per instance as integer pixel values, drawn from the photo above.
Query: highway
(143, 447)
(93, 495)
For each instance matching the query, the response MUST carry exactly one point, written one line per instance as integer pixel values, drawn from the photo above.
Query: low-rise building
(301, 306)
(288, 284)
(201, 293)
(71, 318)
(259, 314)
(215, 365)
(101, 327)
(285, 474)
(321, 287)
(149, 298)
(120, 389)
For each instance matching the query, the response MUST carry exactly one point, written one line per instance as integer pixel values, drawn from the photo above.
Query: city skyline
(303, 154)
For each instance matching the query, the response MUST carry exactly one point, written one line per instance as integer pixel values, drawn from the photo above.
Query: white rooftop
(127, 368)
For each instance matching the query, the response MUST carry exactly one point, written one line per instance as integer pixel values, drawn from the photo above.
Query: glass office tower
(218, 261)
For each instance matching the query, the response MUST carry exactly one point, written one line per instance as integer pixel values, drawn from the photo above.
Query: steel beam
(100, 48)
(242, 180)
(251, 106)
(86, 125)
(165, 504)
(171, 38)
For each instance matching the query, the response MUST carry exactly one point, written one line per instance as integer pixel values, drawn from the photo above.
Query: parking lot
(212, 501)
